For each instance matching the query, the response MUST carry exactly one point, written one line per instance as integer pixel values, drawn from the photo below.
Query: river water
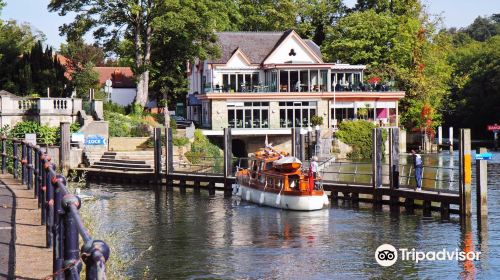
(212, 237)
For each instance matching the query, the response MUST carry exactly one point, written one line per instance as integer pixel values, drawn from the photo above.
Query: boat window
(269, 165)
(293, 181)
(280, 184)
(254, 168)
(270, 182)
(262, 178)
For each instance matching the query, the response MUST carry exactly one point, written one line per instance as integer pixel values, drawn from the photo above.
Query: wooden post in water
(440, 137)
(302, 145)
(376, 164)
(481, 186)
(451, 138)
(228, 162)
(169, 157)
(157, 154)
(394, 165)
(65, 147)
(465, 172)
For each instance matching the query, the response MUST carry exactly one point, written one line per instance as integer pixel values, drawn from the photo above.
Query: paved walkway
(22, 229)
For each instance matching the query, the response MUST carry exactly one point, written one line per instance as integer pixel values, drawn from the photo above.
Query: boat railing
(433, 177)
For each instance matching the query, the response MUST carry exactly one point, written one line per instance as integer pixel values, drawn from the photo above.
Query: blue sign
(484, 156)
(95, 140)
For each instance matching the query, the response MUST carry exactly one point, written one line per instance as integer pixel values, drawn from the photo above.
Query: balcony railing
(265, 88)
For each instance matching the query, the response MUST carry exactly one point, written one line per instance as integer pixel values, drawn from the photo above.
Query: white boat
(277, 181)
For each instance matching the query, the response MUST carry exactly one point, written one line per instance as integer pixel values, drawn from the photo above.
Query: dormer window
(292, 53)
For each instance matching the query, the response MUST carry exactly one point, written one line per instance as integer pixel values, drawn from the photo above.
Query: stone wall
(219, 114)
(127, 143)
(255, 143)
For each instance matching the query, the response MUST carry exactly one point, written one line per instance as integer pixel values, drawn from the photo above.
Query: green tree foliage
(38, 70)
(15, 39)
(474, 101)
(358, 134)
(484, 28)
(112, 21)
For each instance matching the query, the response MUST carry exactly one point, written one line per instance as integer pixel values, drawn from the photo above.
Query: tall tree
(317, 17)
(484, 28)
(113, 20)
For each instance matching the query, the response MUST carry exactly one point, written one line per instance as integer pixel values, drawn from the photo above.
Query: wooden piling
(427, 208)
(410, 205)
(445, 211)
(157, 154)
(228, 162)
(211, 188)
(377, 158)
(196, 187)
(182, 186)
(465, 172)
(450, 130)
(65, 147)
(482, 186)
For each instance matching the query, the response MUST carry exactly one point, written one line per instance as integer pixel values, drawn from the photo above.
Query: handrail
(59, 213)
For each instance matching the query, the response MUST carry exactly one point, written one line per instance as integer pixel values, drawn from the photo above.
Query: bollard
(23, 163)
(15, 159)
(482, 186)
(4, 154)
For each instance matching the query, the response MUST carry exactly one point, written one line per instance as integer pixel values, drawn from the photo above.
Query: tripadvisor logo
(387, 255)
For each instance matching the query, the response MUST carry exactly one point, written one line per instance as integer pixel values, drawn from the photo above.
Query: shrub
(180, 141)
(358, 134)
(173, 123)
(140, 130)
(316, 120)
(202, 150)
(113, 107)
(44, 134)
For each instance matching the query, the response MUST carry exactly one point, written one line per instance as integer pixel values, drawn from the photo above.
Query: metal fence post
(23, 163)
(4, 154)
(29, 166)
(58, 228)
(49, 200)
(96, 254)
(36, 172)
(71, 250)
(43, 190)
(15, 158)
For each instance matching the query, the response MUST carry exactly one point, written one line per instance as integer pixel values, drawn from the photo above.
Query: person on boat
(314, 166)
(417, 162)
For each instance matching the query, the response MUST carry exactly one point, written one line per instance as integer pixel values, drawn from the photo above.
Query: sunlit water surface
(212, 237)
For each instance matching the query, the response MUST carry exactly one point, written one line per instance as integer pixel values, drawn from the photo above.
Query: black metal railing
(59, 211)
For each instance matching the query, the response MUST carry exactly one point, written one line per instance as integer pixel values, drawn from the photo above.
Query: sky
(455, 13)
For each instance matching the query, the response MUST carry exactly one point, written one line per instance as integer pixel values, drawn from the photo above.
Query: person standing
(417, 163)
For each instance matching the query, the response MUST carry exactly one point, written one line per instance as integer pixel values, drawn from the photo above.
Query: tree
(15, 39)
(113, 20)
(484, 28)
(38, 70)
(474, 101)
(82, 58)
(267, 15)
(317, 17)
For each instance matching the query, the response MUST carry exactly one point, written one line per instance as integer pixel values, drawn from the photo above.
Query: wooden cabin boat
(277, 180)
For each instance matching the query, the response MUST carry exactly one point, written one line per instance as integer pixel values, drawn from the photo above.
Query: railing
(59, 212)
(433, 177)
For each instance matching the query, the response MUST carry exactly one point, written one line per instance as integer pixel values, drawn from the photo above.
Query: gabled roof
(122, 77)
(255, 45)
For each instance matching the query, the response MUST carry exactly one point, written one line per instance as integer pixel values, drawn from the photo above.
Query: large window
(342, 114)
(244, 82)
(297, 113)
(248, 114)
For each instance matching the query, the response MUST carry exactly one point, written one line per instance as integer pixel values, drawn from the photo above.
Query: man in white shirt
(417, 162)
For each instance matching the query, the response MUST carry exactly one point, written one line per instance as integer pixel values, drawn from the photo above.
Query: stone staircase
(136, 161)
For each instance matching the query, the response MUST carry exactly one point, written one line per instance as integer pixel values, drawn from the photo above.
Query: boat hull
(282, 201)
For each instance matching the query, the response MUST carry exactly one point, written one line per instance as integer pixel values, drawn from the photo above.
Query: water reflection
(198, 236)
